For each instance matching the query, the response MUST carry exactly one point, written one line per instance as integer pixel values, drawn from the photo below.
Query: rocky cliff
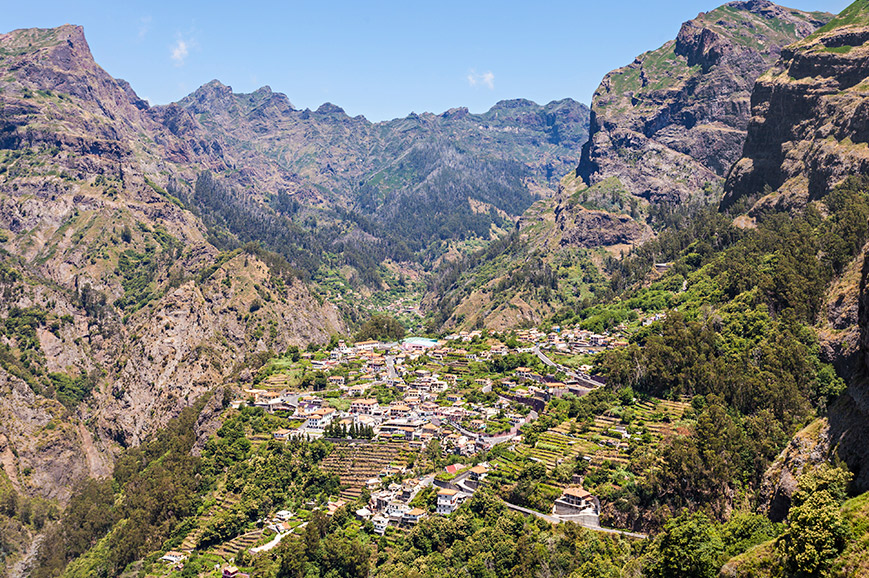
(808, 132)
(809, 126)
(116, 310)
(670, 124)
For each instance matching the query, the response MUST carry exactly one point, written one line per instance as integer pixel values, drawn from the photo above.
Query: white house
(413, 516)
(448, 501)
(380, 524)
(363, 406)
(320, 418)
(396, 509)
(173, 557)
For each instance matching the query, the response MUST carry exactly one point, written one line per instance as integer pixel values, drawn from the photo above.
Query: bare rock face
(670, 124)
(124, 293)
(810, 120)
(41, 451)
(586, 228)
(849, 416)
(808, 448)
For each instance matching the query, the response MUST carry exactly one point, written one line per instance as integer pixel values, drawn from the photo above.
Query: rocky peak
(265, 96)
(808, 124)
(513, 104)
(210, 95)
(699, 45)
(670, 124)
(329, 108)
(455, 113)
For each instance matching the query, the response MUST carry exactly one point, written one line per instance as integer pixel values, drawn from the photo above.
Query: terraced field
(604, 440)
(222, 502)
(355, 464)
(230, 549)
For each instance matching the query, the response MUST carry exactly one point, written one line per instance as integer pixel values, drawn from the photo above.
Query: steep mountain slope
(550, 262)
(116, 311)
(808, 133)
(672, 122)
(664, 129)
(422, 178)
(808, 128)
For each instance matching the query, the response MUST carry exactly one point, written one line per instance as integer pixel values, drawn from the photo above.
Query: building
(577, 498)
(380, 524)
(478, 473)
(399, 411)
(524, 373)
(367, 345)
(448, 501)
(336, 381)
(173, 557)
(413, 516)
(396, 510)
(282, 434)
(320, 418)
(232, 572)
(363, 406)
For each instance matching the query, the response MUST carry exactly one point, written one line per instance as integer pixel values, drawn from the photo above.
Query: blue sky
(381, 59)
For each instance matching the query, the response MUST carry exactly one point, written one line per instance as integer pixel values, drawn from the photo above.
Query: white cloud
(144, 26)
(180, 51)
(486, 79)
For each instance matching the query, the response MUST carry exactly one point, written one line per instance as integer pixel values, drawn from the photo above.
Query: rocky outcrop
(810, 120)
(810, 447)
(670, 124)
(849, 416)
(42, 448)
(580, 227)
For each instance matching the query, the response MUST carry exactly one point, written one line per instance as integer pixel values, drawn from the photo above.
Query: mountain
(420, 179)
(808, 135)
(117, 312)
(808, 122)
(669, 125)
(664, 130)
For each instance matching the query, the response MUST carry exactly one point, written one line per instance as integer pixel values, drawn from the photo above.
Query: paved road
(494, 440)
(557, 520)
(390, 367)
(277, 539)
(541, 515)
(583, 378)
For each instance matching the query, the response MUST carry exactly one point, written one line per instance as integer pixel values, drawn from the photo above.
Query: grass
(857, 14)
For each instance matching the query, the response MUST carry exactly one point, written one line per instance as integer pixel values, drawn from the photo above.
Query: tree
(816, 534)
(689, 548)
(292, 559)
(381, 326)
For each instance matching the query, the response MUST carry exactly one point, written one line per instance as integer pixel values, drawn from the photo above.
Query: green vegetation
(138, 271)
(483, 539)
(152, 489)
(856, 14)
(382, 327)
(512, 267)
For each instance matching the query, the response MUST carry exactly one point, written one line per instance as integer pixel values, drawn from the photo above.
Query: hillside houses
(423, 389)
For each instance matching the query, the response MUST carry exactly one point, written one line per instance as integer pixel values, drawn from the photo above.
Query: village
(380, 402)
(424, 389)
(451, 390)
